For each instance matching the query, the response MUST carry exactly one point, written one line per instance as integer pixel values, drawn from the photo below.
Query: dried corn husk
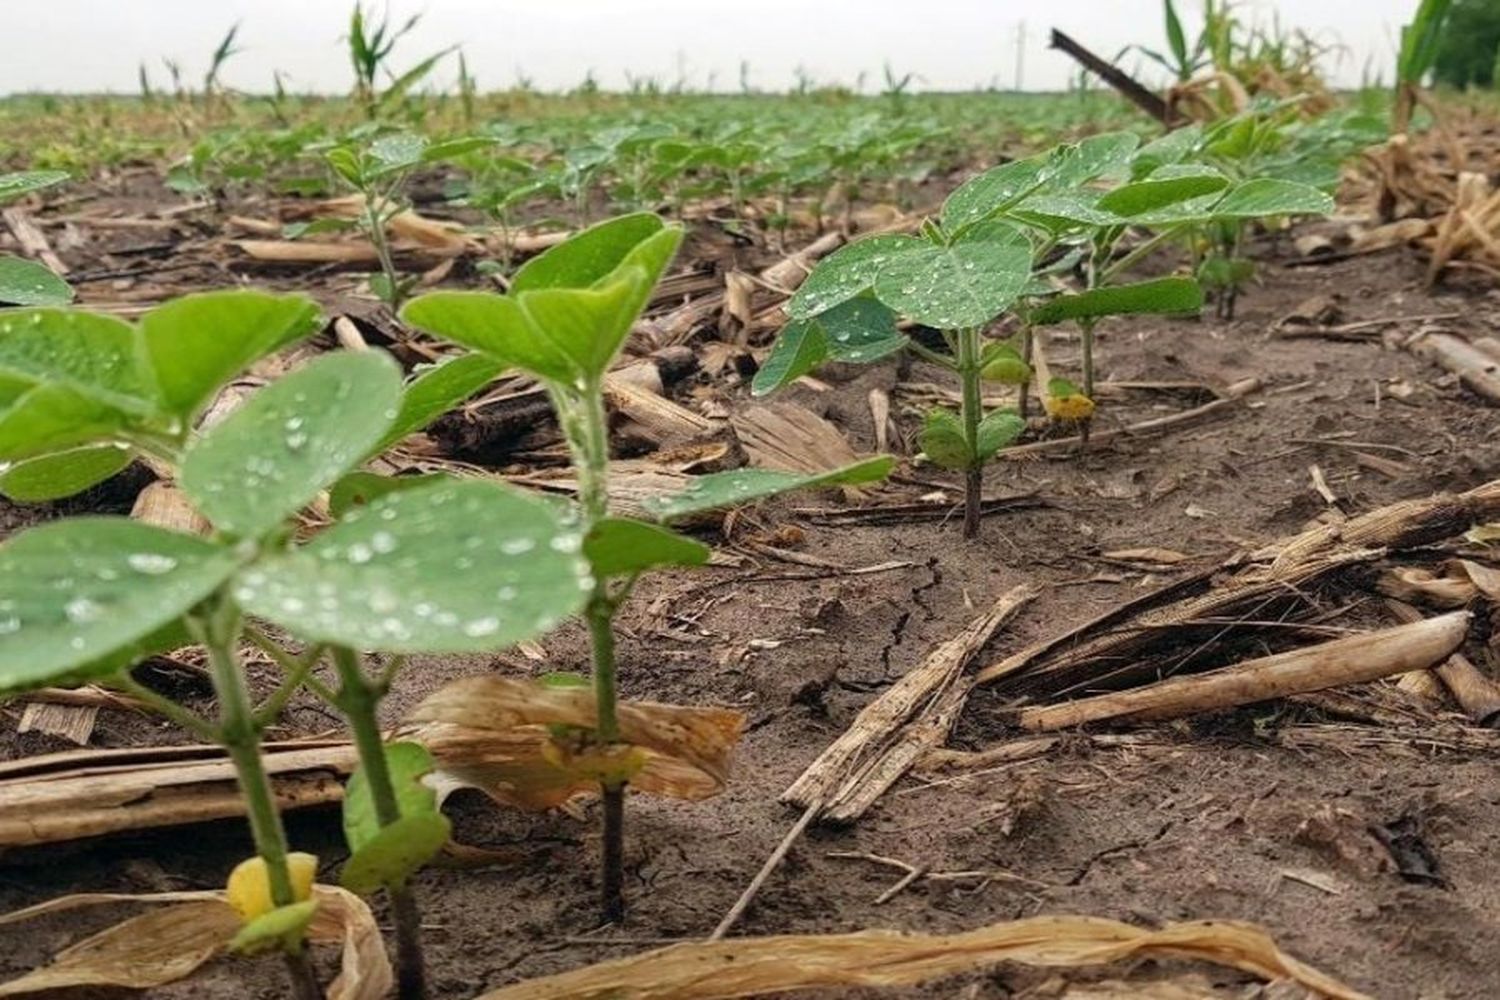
(745, 967)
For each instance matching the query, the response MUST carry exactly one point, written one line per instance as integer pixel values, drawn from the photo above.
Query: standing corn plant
(565, 320)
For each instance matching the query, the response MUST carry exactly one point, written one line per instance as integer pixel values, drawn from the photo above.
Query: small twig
(772, 863)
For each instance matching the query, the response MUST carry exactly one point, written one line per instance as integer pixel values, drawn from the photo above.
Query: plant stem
(1023, 404)
(375, 219)
(588, 435)
(968, 373)
(240, 736)
(358, 698)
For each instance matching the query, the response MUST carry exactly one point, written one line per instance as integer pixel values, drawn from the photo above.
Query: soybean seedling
(963, 272)
(378, 173)
(565, 320)
(26, 282)
(90, 391)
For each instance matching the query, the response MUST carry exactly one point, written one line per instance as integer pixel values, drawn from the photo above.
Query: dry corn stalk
(743, 967)
(1354, 659)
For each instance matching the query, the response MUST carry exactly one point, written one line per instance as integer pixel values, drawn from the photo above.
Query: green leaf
(967, 283)
(495, 325)
(397, 152)
(997, 430)
(1217, 271)
(742, 486)
(1176, 39)
(582, 260)
(617, 546)
(993, 191)
(1003, 363)
(56, 417)
(1059, 211)
(407, 762)
(1160, 191)
(346, 163)
(14, 185)
(395, 852)
(27, 283)
(384, 577)
(798, 351)
(1174, 147)
(272, 455)
(1265, 196)
(1160, 295)
(274, 928)
(63, 474)
(196, 343)
(845, 273)
(92, 353)
(943, 440)
(436, 390)
(589, 325)
(450, 148)
(1093, 157)
(861, 330)
(73, 593)
(359, 489)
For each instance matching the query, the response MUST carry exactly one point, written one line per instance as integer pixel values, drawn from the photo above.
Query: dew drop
(150, 563)
(81, 610)
(481, 626)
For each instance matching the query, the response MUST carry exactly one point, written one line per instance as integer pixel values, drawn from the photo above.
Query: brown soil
(1211, 820)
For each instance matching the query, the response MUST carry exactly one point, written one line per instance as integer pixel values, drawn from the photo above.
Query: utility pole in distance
(1020, 52)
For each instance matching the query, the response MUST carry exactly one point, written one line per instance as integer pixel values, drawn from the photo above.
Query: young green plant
(378, 172)
(564, 321)
(92, 390)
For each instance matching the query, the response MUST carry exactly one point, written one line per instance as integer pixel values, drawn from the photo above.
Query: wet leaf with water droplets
(799, 349)
(271, 456)
(742, 486)
(386, 577)
(196, 343)
(847, 272)
(967, 283)
(28, 283)
(88, 352)
(79, 597)
(992, 191)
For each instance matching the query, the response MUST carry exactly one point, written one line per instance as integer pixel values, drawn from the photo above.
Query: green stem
(928, 354)
(220, 634)
(358, 699)
(168, 708)
(588, 434)
(1023, 403)
(971, 413)
(1135, 256)
(375, 220)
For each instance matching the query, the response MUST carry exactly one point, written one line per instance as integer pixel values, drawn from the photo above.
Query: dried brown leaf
(492, 733)
(712, 970)
(168, 944)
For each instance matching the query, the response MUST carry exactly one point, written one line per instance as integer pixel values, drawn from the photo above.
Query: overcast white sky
(92, 45)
